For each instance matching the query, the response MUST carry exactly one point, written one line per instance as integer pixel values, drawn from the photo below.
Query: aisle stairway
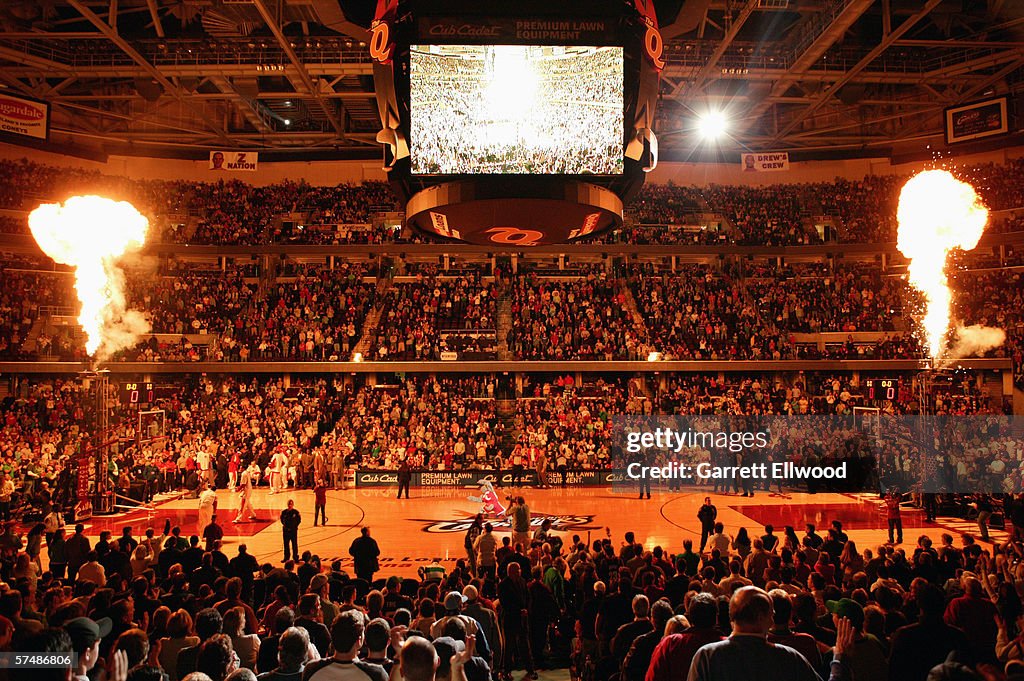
(504, 325)
(506, 410)
(373, 318)
(638, 319)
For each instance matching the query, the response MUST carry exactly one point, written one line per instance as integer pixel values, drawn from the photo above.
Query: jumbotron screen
(516, 109)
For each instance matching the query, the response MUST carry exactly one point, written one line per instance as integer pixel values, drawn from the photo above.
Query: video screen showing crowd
(516, 109)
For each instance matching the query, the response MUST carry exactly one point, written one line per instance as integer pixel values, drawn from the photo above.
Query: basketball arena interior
(617, 340)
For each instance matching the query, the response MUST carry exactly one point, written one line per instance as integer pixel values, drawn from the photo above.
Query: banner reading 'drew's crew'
(235, 161)
(766, 162)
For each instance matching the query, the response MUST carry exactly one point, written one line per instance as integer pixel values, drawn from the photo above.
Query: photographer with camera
(519, 512)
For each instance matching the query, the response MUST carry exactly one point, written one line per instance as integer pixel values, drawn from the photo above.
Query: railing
(495, 366)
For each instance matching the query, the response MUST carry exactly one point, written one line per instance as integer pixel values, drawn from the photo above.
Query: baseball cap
(847, 608)
(84, 632)
(446, 646)
(454, 600)
(318, 582)
(470, 593)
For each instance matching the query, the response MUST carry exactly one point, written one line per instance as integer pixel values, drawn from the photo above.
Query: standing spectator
(747, 655)
(365, 553)
(520, 514)
(514, 597)
(290, 521)
(638, 659)
(975, 614)
(6, 491)
(916, 648)
(674, 653)
(311, 619)
(706, 515)
(486, 547)
(404, 478)
(469, 543)
(345, 665)
(77, 549)
(892, 514)
(320, 501)
(179, 630)
(291, 656)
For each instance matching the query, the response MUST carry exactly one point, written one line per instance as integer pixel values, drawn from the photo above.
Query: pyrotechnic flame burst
(936, 214)
(91, 234)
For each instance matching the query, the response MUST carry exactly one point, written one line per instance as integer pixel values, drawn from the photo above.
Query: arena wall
(334, 172)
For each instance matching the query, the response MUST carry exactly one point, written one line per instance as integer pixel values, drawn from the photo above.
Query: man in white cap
(453, 603)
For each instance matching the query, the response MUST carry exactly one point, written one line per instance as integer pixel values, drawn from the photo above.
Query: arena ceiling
(292, 78)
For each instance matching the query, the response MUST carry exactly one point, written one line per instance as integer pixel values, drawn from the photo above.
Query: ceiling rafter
(704, 75)
(307, 81)
(865, 61)
(169, 87)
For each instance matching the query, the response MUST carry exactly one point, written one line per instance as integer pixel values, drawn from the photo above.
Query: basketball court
(431, 524)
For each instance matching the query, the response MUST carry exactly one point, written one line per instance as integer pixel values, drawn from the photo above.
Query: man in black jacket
(638, 659)
(706, 515)
(290, 521)
(404, 479)
(364, 552)
(514, 597)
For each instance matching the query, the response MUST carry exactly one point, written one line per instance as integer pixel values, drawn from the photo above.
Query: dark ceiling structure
(293, 78)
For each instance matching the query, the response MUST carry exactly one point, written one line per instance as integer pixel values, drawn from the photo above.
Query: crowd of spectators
(215, 212)
(795, 603)
(850, 298)
(425, 317)
(574, 318)
(233, 212)
(702, 313)
(438, 423)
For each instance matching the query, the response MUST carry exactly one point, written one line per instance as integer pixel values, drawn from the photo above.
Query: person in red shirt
(675, 652)
(320, 501)
(892, 511)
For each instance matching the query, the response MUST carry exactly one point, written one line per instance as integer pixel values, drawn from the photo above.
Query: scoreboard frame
(889, 387)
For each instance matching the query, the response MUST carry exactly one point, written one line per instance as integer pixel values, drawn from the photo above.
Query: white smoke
(974, 340)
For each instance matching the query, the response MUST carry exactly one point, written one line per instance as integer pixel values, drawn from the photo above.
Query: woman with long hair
(850, 560)
(247, 646)
(179, 635)
(741, 544)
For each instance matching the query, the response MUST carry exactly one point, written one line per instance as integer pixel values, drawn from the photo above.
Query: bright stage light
(712, 125)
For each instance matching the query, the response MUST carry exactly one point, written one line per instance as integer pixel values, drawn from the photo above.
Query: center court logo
(559, 523)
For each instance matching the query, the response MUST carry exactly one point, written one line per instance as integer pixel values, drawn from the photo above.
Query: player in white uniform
(245, 483)
(278, 472)
(207, 507)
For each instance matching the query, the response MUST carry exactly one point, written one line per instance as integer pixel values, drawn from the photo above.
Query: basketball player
(278, 472)
(207, 507)
(245, 483)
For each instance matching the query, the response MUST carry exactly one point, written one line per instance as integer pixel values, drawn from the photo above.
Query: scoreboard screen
(136, 393)
(882, 388)
(516, 109)
(144, 393)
